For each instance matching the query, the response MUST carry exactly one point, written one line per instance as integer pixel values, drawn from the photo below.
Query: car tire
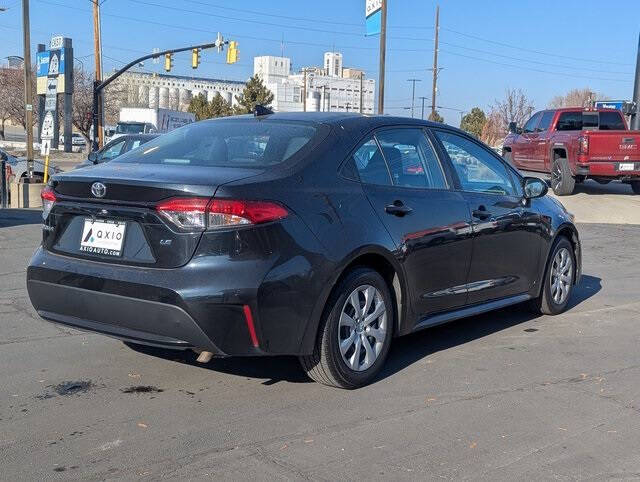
(562, 181)
(635, 185)
(343, 327)
(559, 276)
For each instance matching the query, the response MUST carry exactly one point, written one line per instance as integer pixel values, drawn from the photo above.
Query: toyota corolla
(317, 235)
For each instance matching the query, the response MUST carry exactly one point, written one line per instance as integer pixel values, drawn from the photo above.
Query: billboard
(373, 16)
(43, 63)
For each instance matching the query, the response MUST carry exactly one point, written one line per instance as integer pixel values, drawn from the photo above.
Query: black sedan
(317, 235)
(115, 148)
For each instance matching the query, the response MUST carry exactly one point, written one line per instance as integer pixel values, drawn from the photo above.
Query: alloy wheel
(362, 329)
(556, 176)
(561, 276)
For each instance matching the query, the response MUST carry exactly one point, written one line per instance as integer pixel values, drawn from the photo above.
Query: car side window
(112, 151)
(370, 164)
(569, 121)
(477, 169)
(545, 121)
(411, 160)
(611, 121)
(531, 124)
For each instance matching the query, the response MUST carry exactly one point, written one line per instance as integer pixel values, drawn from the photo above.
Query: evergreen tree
(254, 93)
(474, 121)
(203, 109)
(436, 117)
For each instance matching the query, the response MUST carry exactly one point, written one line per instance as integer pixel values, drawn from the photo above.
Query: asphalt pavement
(502, 396)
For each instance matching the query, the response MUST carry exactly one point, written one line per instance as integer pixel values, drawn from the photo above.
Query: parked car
(19, 167)
(115, 148)
(575, 144)
(76, 140)
(325, 244)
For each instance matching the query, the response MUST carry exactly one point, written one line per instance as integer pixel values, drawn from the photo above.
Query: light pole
(423, 99)
(413, 92)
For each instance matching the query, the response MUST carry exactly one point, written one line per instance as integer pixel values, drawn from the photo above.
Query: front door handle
(481, 213)
(397, 209)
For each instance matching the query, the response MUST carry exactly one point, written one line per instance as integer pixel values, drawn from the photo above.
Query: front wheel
(635, 185)
(558, 280)
(562, 181)
(355, 333)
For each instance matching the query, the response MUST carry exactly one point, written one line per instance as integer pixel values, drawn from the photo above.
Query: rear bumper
(608, 169)
(152, 307)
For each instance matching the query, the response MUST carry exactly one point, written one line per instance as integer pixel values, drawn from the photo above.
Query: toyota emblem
(98, 189)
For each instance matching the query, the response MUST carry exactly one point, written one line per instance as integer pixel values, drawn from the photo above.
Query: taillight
(48, 200)
(200, 214)
(583, 145)
(186, 213)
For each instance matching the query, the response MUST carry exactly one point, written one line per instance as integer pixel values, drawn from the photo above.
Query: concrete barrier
(26, 195)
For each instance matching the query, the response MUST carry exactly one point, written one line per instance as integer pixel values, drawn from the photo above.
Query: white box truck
(139, 120)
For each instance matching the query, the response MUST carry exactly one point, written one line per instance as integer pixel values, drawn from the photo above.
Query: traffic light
(168, 62)
(232, 52)
(195, 58)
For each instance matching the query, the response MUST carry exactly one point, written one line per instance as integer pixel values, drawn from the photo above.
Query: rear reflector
(200, 213)
(252, 329)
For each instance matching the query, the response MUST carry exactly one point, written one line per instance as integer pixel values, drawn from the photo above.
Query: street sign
(373, 16)
(47, 126)
(50, 99)
(45, 146)
(54, 63)
(56, 42)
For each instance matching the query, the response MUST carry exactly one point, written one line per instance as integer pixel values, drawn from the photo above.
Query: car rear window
(223, 143)
(577, 121)
(611, 121)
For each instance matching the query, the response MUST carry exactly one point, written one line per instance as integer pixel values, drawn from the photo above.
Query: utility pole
(361, 96)
(413, 93)
(423, 99)
(97, 54)
(383, 50)
(28, 94)
(435, 64)
(304, 90)
(635, 119)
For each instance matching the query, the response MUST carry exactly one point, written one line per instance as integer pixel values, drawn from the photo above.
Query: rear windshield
(225, 144)
(130, 128)
(577, 121)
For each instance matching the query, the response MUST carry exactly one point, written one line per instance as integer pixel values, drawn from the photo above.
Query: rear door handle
(481, 213)
(397, 209)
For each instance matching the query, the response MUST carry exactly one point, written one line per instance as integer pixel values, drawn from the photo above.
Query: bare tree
(576, 98)
(5, 100)
(493, 131)
(515, 107)
(13, 96)
(83, 102)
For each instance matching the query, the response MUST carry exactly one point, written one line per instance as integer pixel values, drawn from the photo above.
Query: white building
(174, 91)
(330, 88)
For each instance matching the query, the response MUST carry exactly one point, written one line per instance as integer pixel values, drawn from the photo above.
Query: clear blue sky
(544, 47)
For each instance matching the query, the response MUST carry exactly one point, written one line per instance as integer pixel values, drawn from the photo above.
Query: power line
(539, 52)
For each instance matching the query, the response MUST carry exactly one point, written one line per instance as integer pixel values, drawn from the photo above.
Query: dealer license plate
(625, 166)
(101, 236)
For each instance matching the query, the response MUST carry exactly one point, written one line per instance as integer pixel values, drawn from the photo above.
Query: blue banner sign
(373, 16)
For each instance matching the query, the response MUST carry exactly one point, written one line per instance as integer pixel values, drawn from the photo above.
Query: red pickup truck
(574, 144)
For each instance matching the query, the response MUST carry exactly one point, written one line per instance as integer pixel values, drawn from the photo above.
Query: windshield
(130, 128)
(225, 143)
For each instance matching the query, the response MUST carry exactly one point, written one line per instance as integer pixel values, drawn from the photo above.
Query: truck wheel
(562, 181)
(635, 185)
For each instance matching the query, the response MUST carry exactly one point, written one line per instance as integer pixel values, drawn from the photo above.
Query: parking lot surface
(501, 396)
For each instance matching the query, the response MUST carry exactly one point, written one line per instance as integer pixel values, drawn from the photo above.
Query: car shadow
(18, 217)
(592, 187)
(404, 352)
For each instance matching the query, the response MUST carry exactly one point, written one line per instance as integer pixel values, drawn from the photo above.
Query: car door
(506, 240)
(541, 144)
(522, 152)
(428, 221)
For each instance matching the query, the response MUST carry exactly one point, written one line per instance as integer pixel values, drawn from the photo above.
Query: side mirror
(93, 157)
(513, 127)
(534, 187)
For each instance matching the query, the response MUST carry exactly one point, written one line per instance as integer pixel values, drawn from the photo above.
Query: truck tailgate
(613, 145)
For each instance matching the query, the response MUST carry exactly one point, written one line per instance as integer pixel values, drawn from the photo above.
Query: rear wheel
(562, 181)
(635, 185)
(558, 281)
(355, 333)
